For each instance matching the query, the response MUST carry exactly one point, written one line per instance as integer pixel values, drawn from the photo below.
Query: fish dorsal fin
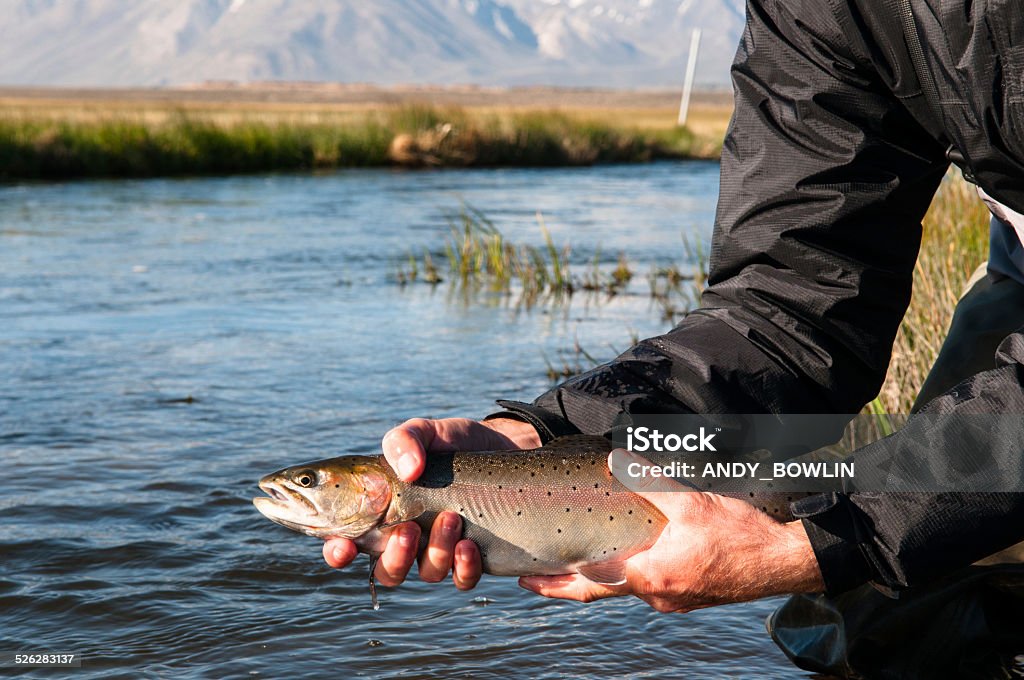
(611, 573)
(578, 441)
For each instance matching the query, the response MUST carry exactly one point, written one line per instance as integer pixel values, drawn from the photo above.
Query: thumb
(405, 447)
(647, 480)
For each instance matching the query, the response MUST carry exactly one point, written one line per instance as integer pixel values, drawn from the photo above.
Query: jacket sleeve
(969, 437)
(825, 178)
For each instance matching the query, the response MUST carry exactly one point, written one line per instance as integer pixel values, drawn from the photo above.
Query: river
(165, 343)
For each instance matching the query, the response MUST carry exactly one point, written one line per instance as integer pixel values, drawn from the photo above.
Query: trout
(546, 511)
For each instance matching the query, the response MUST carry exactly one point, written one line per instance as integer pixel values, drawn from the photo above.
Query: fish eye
(306, 478)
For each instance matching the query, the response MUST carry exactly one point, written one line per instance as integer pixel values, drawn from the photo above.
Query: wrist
(801, 566)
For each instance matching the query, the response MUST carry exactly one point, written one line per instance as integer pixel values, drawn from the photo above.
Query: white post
(691, 70)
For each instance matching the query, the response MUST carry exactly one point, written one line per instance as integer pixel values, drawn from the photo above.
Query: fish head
(344, 497)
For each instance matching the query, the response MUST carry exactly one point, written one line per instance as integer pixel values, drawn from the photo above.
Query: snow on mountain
(614, 43)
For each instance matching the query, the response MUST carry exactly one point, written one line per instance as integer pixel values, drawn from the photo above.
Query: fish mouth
(286, 505)
(286, 495)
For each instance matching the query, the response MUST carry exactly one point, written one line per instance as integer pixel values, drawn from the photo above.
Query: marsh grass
(480, 258)
(480, 255)
(38, 144)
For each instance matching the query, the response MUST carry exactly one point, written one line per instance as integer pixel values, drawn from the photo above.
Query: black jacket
(846, 114)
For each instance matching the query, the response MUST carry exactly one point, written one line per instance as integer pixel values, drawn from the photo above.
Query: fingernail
(339, 554)
(406, 538)
(406, 465)
(462, 553)
(450, 524)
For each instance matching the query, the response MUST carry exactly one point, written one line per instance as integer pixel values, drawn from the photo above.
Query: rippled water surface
(165, 343)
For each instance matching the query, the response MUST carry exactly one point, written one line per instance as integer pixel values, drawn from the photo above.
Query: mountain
(612, 43)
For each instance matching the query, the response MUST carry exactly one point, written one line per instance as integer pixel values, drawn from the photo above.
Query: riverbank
(55, 135)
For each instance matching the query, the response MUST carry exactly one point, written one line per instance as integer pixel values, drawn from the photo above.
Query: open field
(47, 133)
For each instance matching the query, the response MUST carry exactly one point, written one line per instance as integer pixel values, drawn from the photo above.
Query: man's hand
(714, 550)
(406, 448)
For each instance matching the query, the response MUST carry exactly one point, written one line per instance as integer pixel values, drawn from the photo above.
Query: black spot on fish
(611, 518)
(520, 491)
(574, 488)
(337, 486)
(630, 512)
(567, 509)
(597, 486)
(751, 494)
(533, 474)
(559, 531)
(499, 486)
(519, 513)
(590, 509)
(481, 514)
(549, 493)
(650, 521)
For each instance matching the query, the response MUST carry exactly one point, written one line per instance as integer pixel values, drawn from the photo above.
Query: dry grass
(955, 242)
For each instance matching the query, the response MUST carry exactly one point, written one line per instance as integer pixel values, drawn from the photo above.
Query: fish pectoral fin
(396, 515)
(612, 573)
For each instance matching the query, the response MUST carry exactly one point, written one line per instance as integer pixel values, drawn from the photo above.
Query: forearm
(773, 559)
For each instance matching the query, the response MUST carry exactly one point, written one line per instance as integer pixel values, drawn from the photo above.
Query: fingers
(468, 565)
(339, 552)
(399, 554)
(405, 447)
(568, 587)
(436, 561)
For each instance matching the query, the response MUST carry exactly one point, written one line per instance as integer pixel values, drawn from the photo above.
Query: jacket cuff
(548, 425)
(834, 536)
